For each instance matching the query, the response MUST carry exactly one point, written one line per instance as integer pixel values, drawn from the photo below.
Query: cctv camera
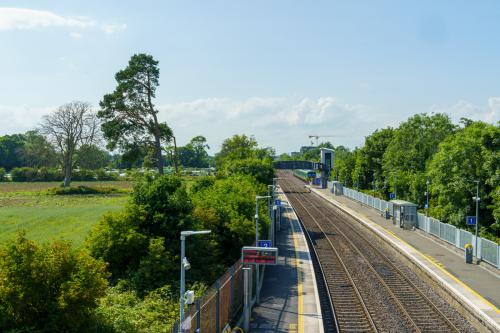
(186, 264)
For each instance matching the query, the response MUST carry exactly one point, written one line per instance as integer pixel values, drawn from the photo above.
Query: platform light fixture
(186, 297)
(477, 199)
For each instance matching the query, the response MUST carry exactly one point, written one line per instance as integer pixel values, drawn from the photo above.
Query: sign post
(256, 255)
(246, 299)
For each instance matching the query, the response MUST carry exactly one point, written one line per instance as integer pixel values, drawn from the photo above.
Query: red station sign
(259, 255)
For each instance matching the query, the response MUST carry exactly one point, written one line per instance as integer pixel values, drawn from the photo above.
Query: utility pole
(427, 200)
(476, 198)
(373, 183)
(395, 188)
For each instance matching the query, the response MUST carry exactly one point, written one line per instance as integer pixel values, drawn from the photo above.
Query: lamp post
(477, 199)
(427, 198)
(257, 288)
(395, 189)
(185, 265)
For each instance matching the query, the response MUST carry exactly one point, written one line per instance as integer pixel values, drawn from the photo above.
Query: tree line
(71, 136)
(428, 153)
(126, 276)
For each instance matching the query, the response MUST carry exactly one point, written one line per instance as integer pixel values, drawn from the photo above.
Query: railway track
(358, 274)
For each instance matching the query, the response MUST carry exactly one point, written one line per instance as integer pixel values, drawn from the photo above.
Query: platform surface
(289, 298)
(476, 286)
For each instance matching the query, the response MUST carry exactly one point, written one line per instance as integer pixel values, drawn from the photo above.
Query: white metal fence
(486, 250)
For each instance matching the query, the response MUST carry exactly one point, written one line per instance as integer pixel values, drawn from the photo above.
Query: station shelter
(404, 213)
(337, 188)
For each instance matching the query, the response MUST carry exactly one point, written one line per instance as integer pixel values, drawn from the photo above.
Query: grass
(45, 217)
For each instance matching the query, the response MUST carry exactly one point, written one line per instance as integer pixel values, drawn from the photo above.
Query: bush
(106, 176)
(228, 208)
(82, 190)
(26, 174)
(124, 311)
(23, 174)
(117, 241)
(83, 175)
(49, 288)
(142, 243)
(3, 176)
(49, 175)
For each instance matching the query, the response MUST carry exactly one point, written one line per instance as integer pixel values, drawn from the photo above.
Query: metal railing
(219, 305)
(486, 250)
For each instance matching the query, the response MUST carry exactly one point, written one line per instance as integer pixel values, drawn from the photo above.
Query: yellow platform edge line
(431, 260)
(300, 304)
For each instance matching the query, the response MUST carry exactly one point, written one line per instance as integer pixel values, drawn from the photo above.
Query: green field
(27, 206)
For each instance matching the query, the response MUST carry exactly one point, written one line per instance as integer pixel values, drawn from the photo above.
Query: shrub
(49, 175)
(117, 241)
(3, 176)
(48, 288)
(133, 241)
(24, 174)
(83, 175)
(82, 190)
(103, 175)
(124, 311)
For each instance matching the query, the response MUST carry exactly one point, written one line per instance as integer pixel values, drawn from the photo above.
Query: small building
(404, 213)
(337, 188)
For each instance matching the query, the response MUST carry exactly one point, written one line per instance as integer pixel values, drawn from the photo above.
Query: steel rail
(386, 260)
(318, 266)
(367, 315)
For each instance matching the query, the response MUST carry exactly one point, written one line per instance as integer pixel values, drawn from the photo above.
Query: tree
(236, 147)
(10, 151)
(130, 119)
(369, 158)
(343, 165)
(70, 127)
(36, 151)
(413, 144)
(472, 153)
(49, 288)
(142, 243)
(92, 157)
(194, 154)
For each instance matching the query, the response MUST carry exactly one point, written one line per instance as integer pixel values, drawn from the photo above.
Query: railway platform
(289, 300)
(477, 288)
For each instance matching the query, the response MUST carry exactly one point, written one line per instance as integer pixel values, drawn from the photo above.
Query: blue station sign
(470, 220)
(277, 202)
(265, 243)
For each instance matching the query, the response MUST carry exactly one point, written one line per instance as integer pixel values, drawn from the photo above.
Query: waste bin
(468, 253)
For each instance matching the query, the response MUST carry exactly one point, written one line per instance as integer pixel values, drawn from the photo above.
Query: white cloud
(19, 119)
(28, 19)
(23, 19)
(76, 35)
(463, 109)
(111, 28)
(283, 123)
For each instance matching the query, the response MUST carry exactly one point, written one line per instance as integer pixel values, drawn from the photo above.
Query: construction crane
(320, 136)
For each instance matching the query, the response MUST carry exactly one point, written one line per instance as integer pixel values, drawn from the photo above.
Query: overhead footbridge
(292, 165)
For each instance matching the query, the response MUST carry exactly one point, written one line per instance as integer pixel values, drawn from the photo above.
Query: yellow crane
(320, 136)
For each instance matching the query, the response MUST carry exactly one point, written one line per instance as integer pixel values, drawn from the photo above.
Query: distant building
(303, 149)
(295, 154)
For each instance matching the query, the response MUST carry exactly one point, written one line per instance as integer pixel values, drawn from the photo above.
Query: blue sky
(279, 70)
